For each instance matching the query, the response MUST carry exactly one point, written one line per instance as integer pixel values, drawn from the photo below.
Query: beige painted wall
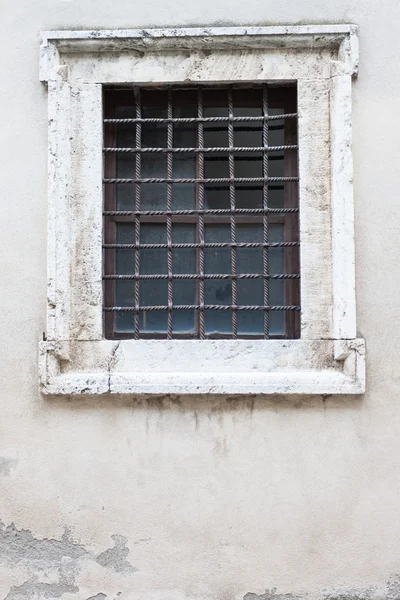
(207, 498)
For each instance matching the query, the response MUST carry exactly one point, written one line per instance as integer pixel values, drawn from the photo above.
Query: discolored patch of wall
(7, 465)
(387, 591)
(61, 560)
(272, 595)
(36, 589)
(115, 558)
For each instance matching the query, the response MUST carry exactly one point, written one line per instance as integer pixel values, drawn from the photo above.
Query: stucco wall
(190, 498)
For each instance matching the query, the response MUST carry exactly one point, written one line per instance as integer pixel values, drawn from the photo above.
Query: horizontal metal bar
(238, 158)
(145, 335)
(203, 119)
(198, 245)
(205, 150)
(208, 180)
(197, 307)
(215, 211)
(199, 277)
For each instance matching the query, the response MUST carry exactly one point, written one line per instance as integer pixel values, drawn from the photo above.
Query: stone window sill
(203, 367)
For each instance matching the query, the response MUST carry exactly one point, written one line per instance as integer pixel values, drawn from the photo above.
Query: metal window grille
(200, 210)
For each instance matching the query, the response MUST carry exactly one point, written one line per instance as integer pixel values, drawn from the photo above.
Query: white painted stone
(212, 367)
(315, 209)
(59, 190)
(85, 213)
(344, 301)
(197, 66)
(343, 38)
(75, 359)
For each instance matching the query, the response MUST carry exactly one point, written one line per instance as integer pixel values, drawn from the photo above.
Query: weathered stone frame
(75, 358)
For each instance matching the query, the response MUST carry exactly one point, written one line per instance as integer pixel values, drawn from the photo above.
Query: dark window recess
(201, 213)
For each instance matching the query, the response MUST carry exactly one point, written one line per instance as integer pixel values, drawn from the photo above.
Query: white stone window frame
(75, 358)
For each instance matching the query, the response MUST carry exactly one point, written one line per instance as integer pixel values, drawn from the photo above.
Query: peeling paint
(389, 591)
(393, 588)
(115, 558)
(356, 594)
(19, 546)
(360, 595)
(64, 557)
(32, 588)
(272, 595)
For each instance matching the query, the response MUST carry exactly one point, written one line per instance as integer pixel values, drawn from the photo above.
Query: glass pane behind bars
(152, 282)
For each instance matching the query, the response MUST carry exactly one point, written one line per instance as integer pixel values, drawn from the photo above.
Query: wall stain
(20, 547)
(157, 402)
(393, 588)
(221, 448)
(196, 421)
(7, 465)
(272, 595)
(366, 594)
(115, 558)
(176, 401)
(64, 556)
(33, 588)
(389, 591)
(142, 541)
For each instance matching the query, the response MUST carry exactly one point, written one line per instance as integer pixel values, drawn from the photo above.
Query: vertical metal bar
(265, 215)
(200, 206)
(170, 137)
(233, 215)
(110, 228)
(137, 217)
(291, 224)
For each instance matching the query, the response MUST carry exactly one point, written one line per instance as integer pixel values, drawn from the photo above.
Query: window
(200, 212)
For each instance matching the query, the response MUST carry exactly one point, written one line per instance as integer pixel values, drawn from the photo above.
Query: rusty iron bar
(197, 307)
(204, 180)
(199, 245)
(200, 205)
(232, 201)
(202, 119)
(214, 211)
(203, 276)
(265, 215)
(204, 150)
(170, 141)
(138, 167)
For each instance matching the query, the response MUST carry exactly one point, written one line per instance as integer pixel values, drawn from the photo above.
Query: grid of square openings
(201, 212)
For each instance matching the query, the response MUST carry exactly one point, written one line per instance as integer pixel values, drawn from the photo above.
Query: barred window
(201, 209)
(174, 192)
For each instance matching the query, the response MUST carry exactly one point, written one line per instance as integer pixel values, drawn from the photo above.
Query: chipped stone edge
(343, 37)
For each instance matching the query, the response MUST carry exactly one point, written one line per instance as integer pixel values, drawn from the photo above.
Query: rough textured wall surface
(187, 498)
